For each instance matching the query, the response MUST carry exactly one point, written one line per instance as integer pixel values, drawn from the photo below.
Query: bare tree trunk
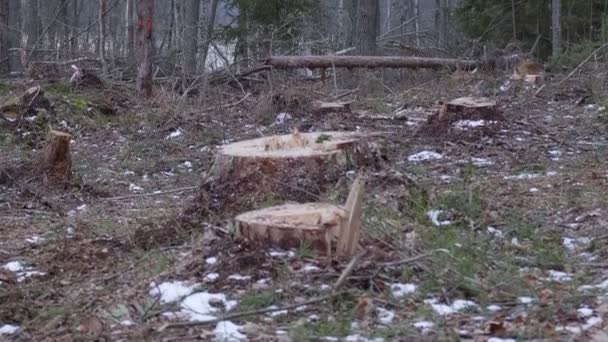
(75, 23)
(145, 46)
(190, 37)
(130, 19)
(65, 31)
(556, 41)
(209, 35)
(102, 34)
(4, 40)
(14, 21)
(514, 23)
(367, 27)
(31, 25)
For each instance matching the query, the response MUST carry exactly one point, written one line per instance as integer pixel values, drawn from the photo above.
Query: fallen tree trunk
(371, 62)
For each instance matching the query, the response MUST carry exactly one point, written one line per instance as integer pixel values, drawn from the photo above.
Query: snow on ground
(21, 271)
(424, 155)
(434, 217)
(401, 290)
(8, 329)
(445, 309)
(226, 331)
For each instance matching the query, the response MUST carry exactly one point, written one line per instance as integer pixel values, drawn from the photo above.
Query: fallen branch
(250, 313)
(582, 64)
(152, 194)
(348, 270)
(229, 105)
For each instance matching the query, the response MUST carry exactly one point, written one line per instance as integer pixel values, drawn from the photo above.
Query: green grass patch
(257, 300)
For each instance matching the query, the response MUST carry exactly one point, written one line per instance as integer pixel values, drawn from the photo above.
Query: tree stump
(296, 167)
(476, 114)
(323, 226)
(57, 161)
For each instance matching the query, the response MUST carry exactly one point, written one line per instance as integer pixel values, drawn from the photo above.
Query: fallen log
(370, 62)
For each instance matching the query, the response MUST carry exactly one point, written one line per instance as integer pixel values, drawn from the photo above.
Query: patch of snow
(135, 188)
(226, 331)
(313, 318)
(434, 217)
(424, 155)
(601, 286)
(211, 261)
(499, 234)
(585, 312)
(8, 329)
(444, 309)
(500, 339)
(401, 290)
(577, 329)
(310, 268)
(129, 173)
(36, 239)
(515, 242)
(69, 232)
(494, 308)
(385, 316)
(534, 190)
(170, 292)
(127, 323)
(282, 254)
(424, 325)
(324, 287)
(200, 306)
(465, 124)
(187, 164)
(238, 277)
(276, 313)
(282, 118)
(175, 134)
(481, 162)
(525, 300)
(21, 271)
(559, 276)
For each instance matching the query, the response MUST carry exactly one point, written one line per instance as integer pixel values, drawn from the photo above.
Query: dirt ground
(502, 239)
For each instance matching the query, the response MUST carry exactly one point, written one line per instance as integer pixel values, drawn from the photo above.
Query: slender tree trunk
(4, 37)
(556, 29)
(513, 22)
(31, 25)
(368, 27)
(190, 37)
(75, 23)
(14, 21)
(65, 29)
(102, 34)
(209, 35)
(145, 46)
(130, 19)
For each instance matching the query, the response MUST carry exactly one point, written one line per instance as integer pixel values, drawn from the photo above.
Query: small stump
(295, 167)
(321, 225)
(57, 161)
(466, 118)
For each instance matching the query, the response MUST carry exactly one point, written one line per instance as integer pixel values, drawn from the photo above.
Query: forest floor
(509, 244)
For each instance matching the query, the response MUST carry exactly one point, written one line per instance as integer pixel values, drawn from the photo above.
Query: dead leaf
(91, 326)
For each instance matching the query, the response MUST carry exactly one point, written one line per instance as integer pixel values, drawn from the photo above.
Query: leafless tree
(4, 40)
(556, 29)
(145, 46)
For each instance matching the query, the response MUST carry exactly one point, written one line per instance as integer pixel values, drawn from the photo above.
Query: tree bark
(556, 29)
(102, 34)
(190, 37)
(4, 37)
(75, 23)
(130, 19)
(31, 24)
(145, 46)
(14, 20)
(371, 62)
(367, 27)
(209, 35)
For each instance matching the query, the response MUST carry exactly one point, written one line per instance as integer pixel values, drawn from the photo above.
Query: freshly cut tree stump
(295, 167)
(57, 159)
(321, 225)
(320, 107)
(479, 114)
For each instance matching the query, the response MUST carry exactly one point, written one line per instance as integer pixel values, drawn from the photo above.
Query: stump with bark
(57, 160)
(322, 226)
(296, 167)
(476, 115)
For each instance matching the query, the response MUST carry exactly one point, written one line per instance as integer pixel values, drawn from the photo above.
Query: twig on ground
(348, 270)
(250, 313)
(407, 261)
(229, 105)
(152, 194)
